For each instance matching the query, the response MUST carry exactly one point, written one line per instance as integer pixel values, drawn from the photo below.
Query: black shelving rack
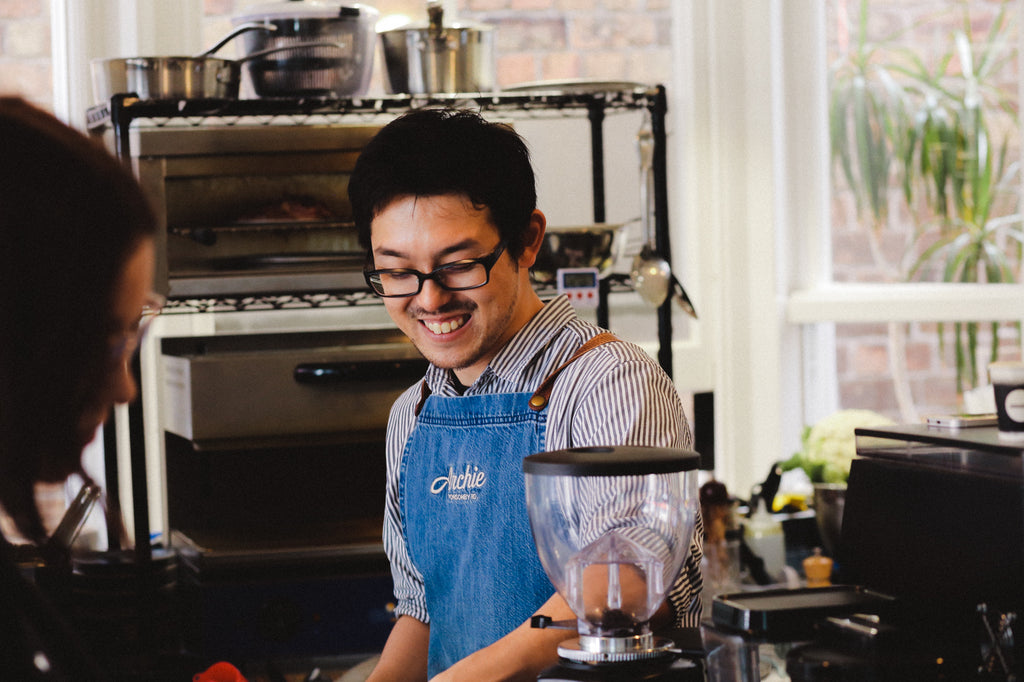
(594, 102)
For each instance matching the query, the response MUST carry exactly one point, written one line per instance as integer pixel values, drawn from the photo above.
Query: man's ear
(533, 237)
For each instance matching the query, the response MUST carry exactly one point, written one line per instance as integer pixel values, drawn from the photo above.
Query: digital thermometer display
(581, 285)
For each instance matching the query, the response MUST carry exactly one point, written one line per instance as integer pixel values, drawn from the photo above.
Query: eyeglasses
(124, 344)
(461, 275)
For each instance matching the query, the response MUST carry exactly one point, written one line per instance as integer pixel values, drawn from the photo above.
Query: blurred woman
(76, 270)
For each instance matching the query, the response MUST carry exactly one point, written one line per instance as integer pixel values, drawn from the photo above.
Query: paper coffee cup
(1008, 386)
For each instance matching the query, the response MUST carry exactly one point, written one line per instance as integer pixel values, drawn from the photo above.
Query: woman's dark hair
(70, 217)
(430, 152)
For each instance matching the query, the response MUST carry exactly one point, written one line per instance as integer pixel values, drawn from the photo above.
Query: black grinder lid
(623, 460)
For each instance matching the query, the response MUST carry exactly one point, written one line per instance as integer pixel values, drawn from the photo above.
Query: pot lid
(306, 9)
(395, 24)
(436, 22)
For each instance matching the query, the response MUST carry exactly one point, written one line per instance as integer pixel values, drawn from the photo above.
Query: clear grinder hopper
(612, 527)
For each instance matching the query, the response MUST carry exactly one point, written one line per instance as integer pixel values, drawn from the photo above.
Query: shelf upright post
(112, 483)
(120, 121)
(595, 112)
(658, 107)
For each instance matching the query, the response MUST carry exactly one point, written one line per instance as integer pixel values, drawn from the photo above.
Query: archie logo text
(460, 486)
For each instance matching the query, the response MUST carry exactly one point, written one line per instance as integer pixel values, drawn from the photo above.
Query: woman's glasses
(124, 344)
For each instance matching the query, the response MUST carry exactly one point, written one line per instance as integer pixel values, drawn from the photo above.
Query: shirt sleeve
(618, 395)
(409, 591)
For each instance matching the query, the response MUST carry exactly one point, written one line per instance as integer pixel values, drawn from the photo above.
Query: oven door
(252, 209)
(275, 475)
(262, 389)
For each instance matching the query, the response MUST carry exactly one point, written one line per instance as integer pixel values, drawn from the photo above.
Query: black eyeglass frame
(128, 341)
(487, 261)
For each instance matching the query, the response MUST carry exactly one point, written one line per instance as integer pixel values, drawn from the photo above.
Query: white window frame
(753, 78)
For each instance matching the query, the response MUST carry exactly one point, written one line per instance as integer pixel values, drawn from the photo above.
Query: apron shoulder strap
(540, 397)
(539, 400)
(424, 394)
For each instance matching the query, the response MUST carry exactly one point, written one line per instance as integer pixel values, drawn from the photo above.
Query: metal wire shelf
(277, 110)
(615, 283)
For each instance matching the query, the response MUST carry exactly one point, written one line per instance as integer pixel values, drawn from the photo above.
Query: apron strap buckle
(540, 397)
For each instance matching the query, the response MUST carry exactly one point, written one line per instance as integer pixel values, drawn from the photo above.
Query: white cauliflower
(830, 445)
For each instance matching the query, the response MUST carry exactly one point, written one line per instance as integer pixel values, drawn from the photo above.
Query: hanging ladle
(651, 274)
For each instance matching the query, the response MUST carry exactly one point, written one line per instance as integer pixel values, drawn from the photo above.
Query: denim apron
(463, 502)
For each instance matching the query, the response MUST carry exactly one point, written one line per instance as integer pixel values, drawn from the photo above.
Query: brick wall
(543, 39)
(25, 66)
(554, 39)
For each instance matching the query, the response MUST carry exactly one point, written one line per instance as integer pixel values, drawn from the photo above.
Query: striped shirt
(615, 394)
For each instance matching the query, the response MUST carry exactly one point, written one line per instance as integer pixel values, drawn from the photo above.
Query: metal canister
(439, 57)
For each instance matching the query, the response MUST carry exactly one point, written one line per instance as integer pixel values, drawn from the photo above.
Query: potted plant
(965, 174)
(828, 449)
(940, 131)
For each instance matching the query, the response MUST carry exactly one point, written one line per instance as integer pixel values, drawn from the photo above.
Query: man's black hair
(431, 152)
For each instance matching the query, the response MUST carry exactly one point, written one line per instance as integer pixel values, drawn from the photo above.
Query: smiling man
(445, 203)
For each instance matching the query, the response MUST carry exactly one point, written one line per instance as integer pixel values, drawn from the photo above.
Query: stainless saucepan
(439, 56)
(197, 77)
(189, 77)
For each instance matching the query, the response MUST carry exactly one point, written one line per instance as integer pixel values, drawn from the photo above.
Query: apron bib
(462, 498)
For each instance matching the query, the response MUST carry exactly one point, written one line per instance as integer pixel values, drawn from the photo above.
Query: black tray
(781, 615)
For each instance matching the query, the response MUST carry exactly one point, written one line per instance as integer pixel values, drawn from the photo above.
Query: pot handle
(239, 30)
(331, 373)
(435, 16)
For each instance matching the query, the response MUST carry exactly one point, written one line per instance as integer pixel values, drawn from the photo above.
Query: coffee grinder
(612, 527)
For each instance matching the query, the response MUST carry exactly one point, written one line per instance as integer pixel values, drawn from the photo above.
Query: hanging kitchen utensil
(439, 57)
(651, 274)
(58, 547)
(680, 296)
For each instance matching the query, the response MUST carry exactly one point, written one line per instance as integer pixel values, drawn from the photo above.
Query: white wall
(83, 31)
(754, 166)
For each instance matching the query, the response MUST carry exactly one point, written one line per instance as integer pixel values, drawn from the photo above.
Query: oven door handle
(326, 373)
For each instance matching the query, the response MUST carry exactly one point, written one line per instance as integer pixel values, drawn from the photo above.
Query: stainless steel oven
(272, 404)
(251, 208)
(274, 449)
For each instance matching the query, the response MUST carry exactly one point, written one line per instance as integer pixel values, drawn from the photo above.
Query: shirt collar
(504, 370)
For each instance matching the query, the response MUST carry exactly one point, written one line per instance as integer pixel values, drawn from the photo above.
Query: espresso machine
(612, 527)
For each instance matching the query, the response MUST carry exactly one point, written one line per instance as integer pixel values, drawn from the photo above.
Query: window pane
(907, 371)
(923, 115)
(926, 142)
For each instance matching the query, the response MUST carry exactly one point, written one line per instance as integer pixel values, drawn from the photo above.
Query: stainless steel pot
(198, 77)
(165, 78)
(342, 69)
(598, 245)
(182, 77)
(191, 77)
(458, 57)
